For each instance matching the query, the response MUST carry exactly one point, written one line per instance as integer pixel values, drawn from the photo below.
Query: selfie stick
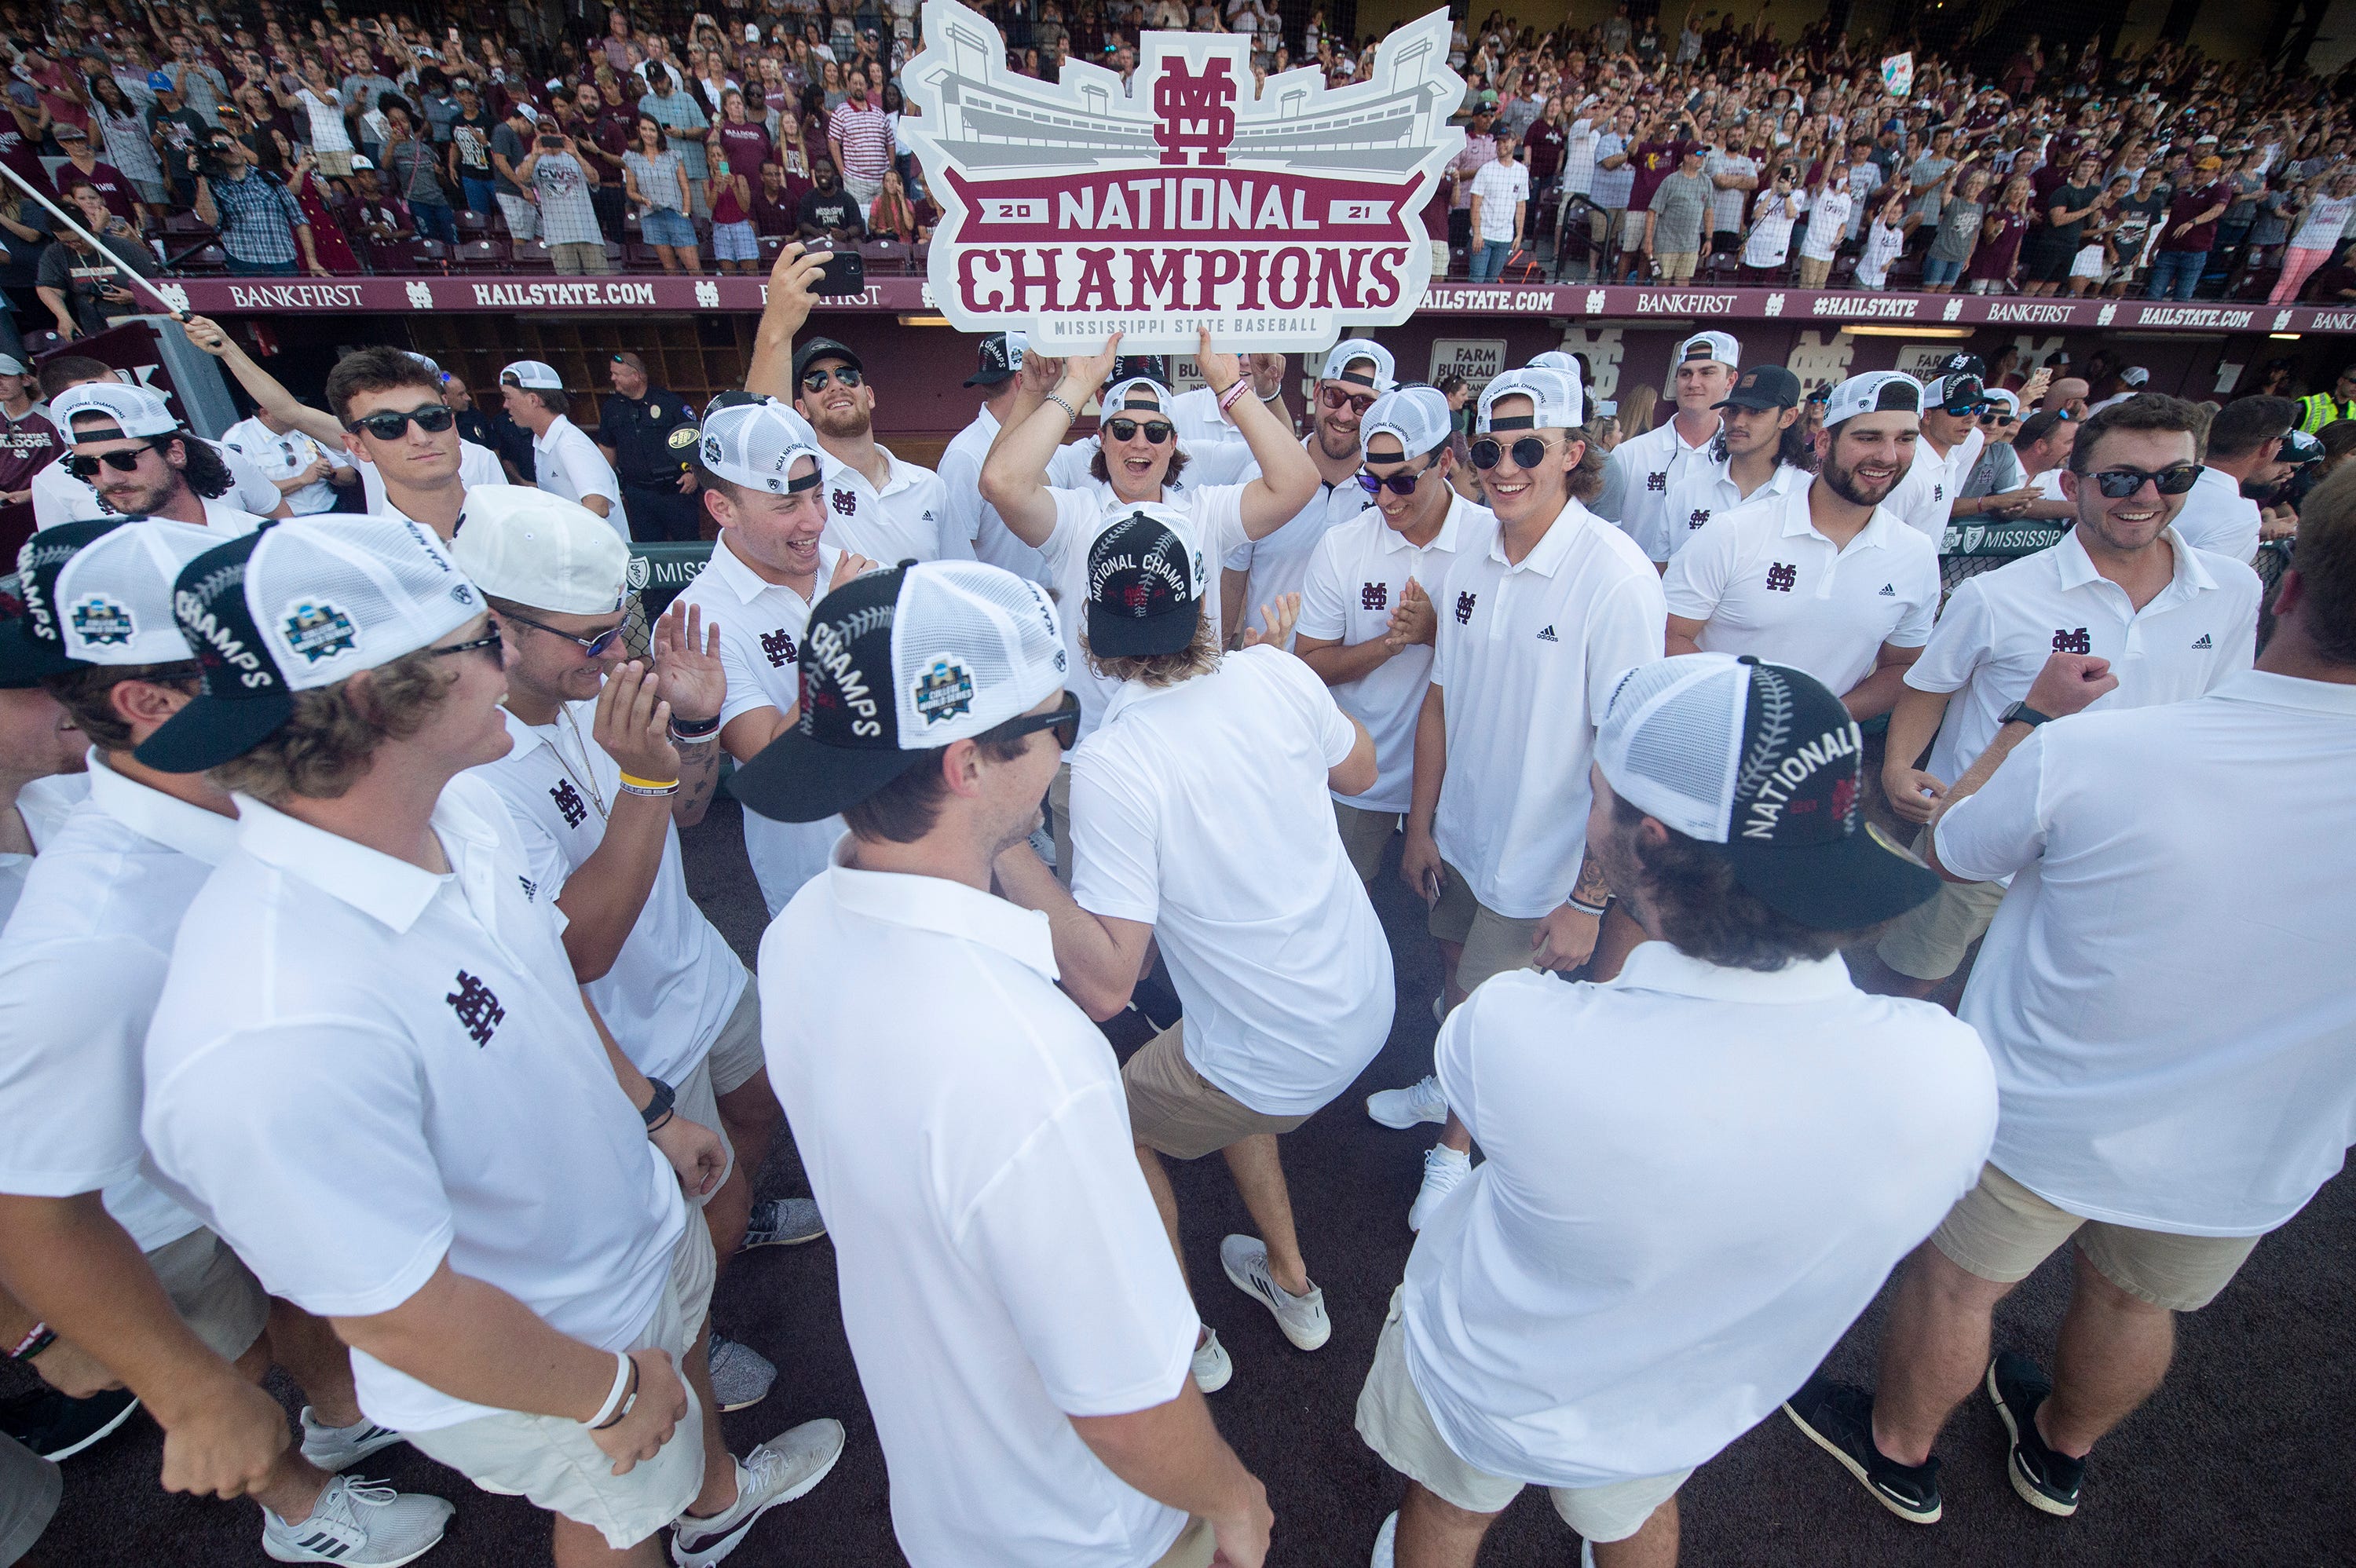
(173, 311)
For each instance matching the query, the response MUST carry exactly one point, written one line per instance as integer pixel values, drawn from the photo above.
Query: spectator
(509, 140)
(2323, 224)
(656, 178)
(177, 131)
(561, 182)
(1958, 226)
(776, 208)
(82, 164)
(263, 228)
(470, 169)
(126, 140)
(1997, 257)
(1771, 227)
(684, 126)
(894, 216)
(1500, 207)
(859, 135)
(1674, 221)
(416, 168)
(829, 212)
(2182, 255)
(735, 243)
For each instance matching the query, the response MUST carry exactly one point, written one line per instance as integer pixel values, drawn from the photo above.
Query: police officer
(648, 435)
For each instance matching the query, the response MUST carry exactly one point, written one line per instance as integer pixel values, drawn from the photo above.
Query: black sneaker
(57, 1427)
(1839, 1418)
(2047, 1482)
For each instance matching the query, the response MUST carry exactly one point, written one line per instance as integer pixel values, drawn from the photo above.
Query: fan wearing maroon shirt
(740, 137)
(28, 441)
(2182, 254)
(776, 203)
(83, 163)
(1654, 158)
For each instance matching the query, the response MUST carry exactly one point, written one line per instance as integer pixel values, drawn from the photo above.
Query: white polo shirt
(1084, 513)
(1357, 577)
(1200, 810)
(566, 463)
(282, 454)
(59, 497)
(432, 1022)
(42, 805)
(1762, 579)
(761, 627)
(2216, 516)
(908, 519)
(80, 967)
(1924, 498)
(1278, 562)
(2165, 992)
(478, 465)
(1001, 1264)
(968, 516)
(1703, 489)
(1636, 480)
(2000, 627)
(675, 980)
(1527, 656)
(1695, 1178)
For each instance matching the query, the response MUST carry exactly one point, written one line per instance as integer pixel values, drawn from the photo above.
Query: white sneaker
(1444, 1171)
(360, 1525)
(1419, 1101)
(1385, 1543)
(334, 1448)
(741, 1375)
(1212, 1368)
(785, 1467)
(1303, 1318)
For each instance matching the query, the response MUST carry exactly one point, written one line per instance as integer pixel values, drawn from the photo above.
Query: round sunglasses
(1399, 484)
(1527, 453)
(391, 425)
(1156, 430)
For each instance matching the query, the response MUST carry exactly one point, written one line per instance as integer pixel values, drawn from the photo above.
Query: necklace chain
(588, 782)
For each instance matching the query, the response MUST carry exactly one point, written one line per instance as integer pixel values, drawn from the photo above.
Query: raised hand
(633, 724)
(848, 567)
(1088, 371)
(792, 285)
(1278, 618)
(688, 674)
(1219, 370)
(1267, 373)
(206, 335)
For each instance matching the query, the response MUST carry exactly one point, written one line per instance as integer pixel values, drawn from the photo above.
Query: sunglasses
(1335, 397)
(815, 381)
(590, 646)
(1990, 416)
(82, 468)
(1399, 484)
(391, 425)
(1529, 452)
(489, 643)
(1064, 718)
(2175, 479)
(1156, 430)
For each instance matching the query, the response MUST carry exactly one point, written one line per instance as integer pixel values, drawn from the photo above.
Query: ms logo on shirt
(1782, 576)
(1657, 480)
(2073, 641)
(1375, 596)
(1697, 516)
(568, 801)
(1465, 603)
(479, 1011)
(778, 646)
(846, 503)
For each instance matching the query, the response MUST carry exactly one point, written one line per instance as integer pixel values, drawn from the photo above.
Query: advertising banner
(1177, 200)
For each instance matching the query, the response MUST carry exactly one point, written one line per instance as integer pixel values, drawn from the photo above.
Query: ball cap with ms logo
(294, 607)
(1761, 761)
(896, 664)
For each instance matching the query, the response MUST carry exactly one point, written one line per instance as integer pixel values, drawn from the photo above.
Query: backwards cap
(1415, 416)
(536, 549)
(1876, 391)
(137, 411)
(1362, 362)
(1555, 397)
(756, 444)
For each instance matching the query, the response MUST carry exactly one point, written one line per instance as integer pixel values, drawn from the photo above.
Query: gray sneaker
(741, 1375)
(784, 1222)
(334, 1448)
(785, 1467)
(1303, 1318)
(359, 1524)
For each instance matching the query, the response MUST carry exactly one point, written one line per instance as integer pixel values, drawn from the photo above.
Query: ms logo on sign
(2073, 641)
(778, 647)
(568, 801)
(479, 1011)
(1375, 596)
(1465, 603)
(1782, 575)
(1193, 109)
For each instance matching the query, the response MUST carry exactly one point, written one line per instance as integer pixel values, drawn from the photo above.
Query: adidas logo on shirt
(1889, 590)
(2205, 641)
(1546, 634)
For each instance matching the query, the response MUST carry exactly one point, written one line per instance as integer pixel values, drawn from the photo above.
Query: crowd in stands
(279, 141)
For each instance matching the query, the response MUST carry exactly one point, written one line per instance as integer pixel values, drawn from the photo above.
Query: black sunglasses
(1335, 397)
(590, 646)
(1399, 484)
(82, 468)
(815, 381)
(391, 425)
(2175, 479)
(1064, 718)
(489, 642)
(1529, 452)
(1156, 430)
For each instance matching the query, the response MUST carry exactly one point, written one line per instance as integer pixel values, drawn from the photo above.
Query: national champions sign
(1082, 207)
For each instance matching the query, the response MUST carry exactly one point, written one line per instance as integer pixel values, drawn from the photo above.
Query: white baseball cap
(137, 411)
(99, 591)
(756, 445)
(2134, 376)
(1874, 391)
(295, 607)
(1415, 416)
(1718, 345)
(12, 366)
(536, 549)
(1554, 360)
(1362, 362)
(1138, 394)
(1554, 397)
(897, 664)
(533, 374)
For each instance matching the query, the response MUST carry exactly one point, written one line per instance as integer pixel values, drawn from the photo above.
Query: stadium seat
(206, 260)
(531, 256)
(480, 255)
(885, 258)
(473, 225)
(638, 258)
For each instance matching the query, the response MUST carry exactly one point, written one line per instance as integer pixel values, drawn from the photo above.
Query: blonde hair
(327, 745)
(1199, 657)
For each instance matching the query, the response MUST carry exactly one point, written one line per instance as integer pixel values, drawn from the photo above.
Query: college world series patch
(945, 689)
(101, 621)
(317, 630)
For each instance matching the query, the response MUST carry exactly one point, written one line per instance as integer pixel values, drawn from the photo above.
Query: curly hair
(1200, 656)
(1700, 910)
(327, 744)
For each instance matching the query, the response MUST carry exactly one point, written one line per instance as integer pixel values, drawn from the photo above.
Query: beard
(1845, 483)
(851, 422)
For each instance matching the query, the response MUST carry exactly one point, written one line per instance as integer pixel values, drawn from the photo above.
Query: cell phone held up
(845, 273)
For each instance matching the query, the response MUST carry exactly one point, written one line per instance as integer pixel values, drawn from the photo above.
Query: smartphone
(552, 144)
(845, 273)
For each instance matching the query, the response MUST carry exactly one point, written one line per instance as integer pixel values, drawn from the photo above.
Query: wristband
(37, 1338)
(617, 1399)
(1071, 414)
(1272, 396)
(648, 787)
(1235, 393)
(695, 729)
(657, 1107)
(1595, 909)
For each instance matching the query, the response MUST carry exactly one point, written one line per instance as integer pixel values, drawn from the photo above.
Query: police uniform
(653, 443)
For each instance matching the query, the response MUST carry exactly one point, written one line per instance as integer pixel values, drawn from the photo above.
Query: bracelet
(37, 1338)
(1234, 394)
(648, 787)
(695, 729)
(617, 1399)
(1071, 414)
(1275, 396)
(659, 1123)
(664, 1096)
(678, 739)
(1595, 909)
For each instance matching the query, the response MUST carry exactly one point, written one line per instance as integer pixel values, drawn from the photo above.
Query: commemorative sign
(1078, 209)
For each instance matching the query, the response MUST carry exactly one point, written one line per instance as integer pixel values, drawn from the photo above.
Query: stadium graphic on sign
(1076, 209)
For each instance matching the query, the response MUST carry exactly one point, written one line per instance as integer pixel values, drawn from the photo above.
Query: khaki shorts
(1929, 941)
(555, 1463)
(736, 1057)
(1677, 266)
(1176, 1111)
(1493, 943)
(216, 1295)
(1438, 270)
(1365, 836)
(1632, 228)
(1813, 271)
(1397, 1426)
(694, 1100)
(29, 1489)
(2000, 1231)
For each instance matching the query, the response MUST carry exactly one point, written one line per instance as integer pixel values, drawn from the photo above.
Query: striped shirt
(866, 138)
